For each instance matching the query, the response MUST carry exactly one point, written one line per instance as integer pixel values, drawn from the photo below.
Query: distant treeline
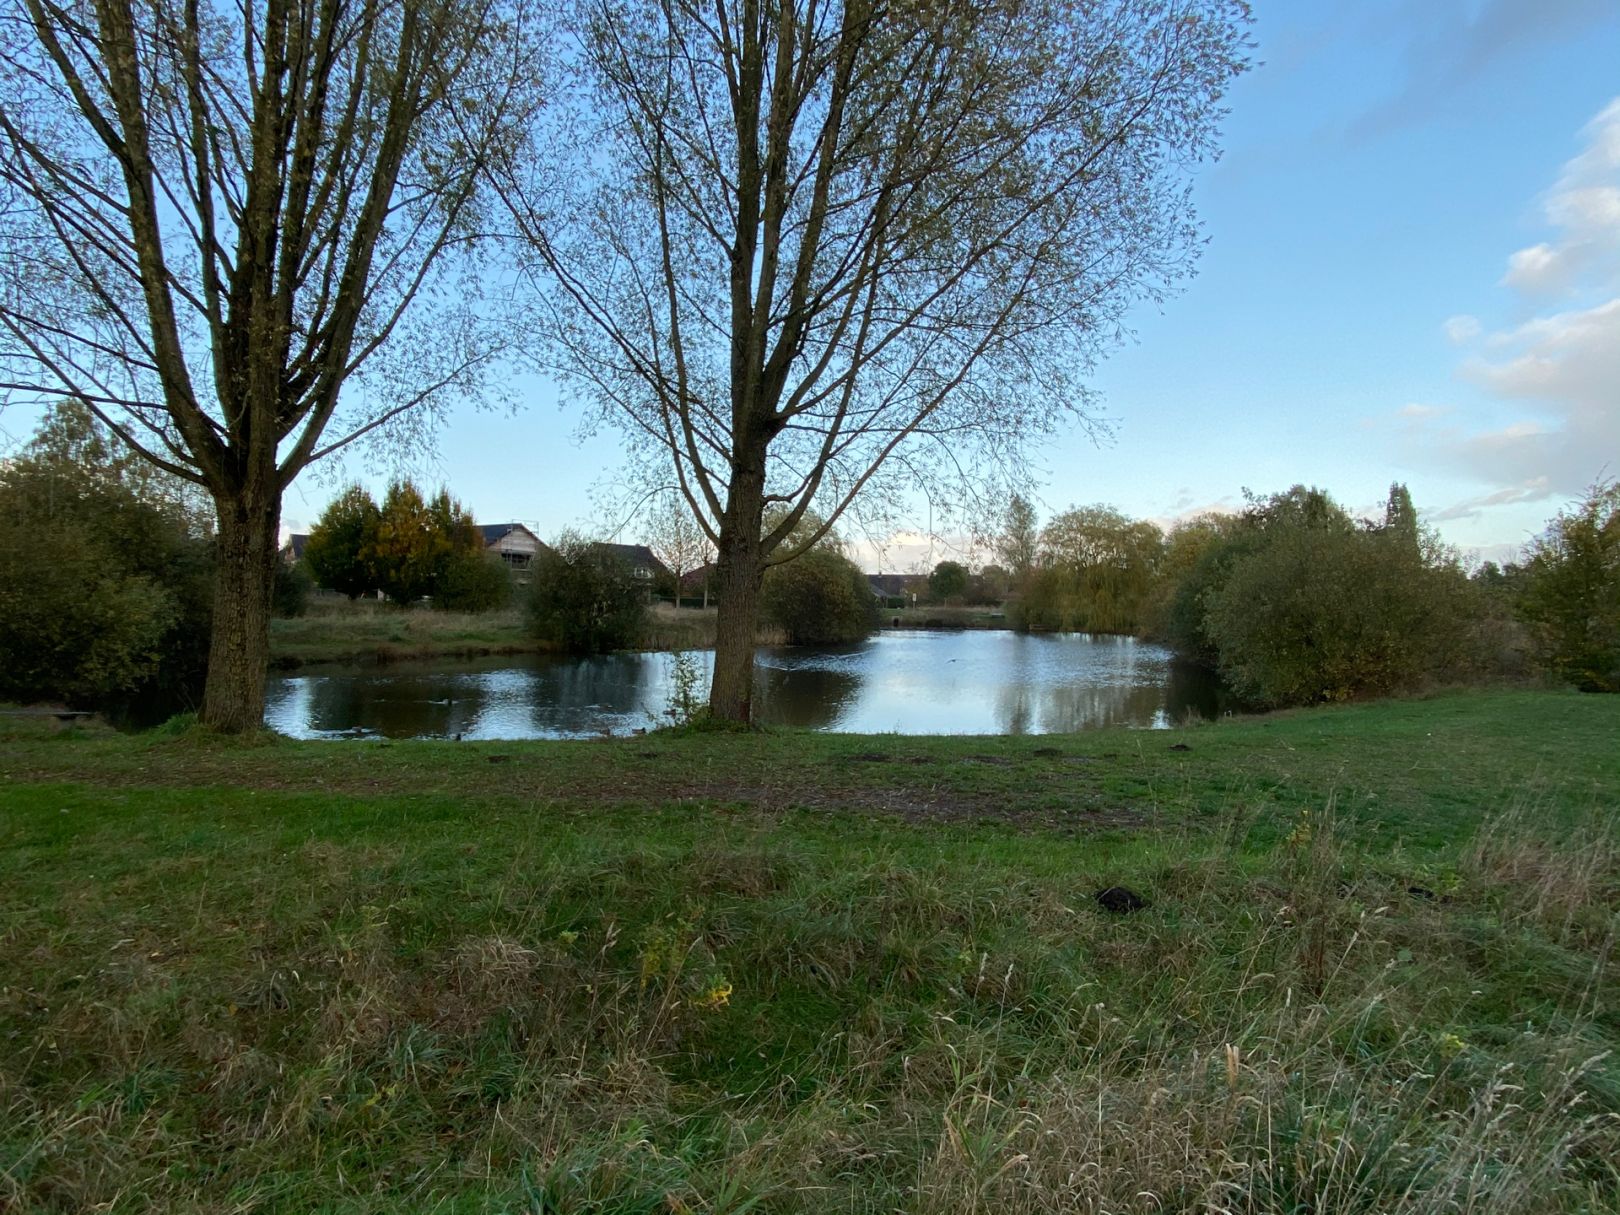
(1295, 601)
(107, 569)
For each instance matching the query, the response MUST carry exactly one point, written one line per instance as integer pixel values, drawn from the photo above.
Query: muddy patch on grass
(910, 786)
(879, 757)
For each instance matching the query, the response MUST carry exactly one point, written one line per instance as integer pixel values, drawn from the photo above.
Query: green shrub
(1172, 611)
(77, 627)
(473, 582)
(415, 541)
(289, 595)
(1095, 572)
(583, 599)
(1569, 592)
(947, 582)
(335, 550)
(1318, 613)
(819, 598)
(1070, 599)
(105, 585)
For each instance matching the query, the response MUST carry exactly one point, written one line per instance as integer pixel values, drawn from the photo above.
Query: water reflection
(404, 706)
(811, 697)
(1196, 692)
(490, 698)
(1015, 709)
(906, 682)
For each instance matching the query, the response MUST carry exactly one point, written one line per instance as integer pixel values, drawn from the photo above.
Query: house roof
(891, 584)
(494, 533)
(295, 545)
(636, 556)
(695, 578)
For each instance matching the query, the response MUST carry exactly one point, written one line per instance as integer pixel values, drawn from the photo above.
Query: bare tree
(815, 249)
(1019, 538)
(240, 233)
(675, 538)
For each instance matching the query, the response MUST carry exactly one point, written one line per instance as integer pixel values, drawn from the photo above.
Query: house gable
(512, 543)
(643, 564)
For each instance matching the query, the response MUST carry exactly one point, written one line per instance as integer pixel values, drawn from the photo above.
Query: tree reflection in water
(906, 682)
(400, 706)
(1015, 708)
(810, 698)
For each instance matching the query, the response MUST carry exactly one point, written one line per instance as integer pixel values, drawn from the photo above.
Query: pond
(907, 682)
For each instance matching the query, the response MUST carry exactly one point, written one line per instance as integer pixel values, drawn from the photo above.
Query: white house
(512, 543)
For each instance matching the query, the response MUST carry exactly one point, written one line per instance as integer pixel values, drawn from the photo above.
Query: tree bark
(239, 649)
(739, 570)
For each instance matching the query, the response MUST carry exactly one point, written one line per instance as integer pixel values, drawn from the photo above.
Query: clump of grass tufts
(1289, 1124)
(1569, 885)
(369, 1005)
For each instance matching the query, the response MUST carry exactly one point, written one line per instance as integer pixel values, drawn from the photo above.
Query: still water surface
(909, 682)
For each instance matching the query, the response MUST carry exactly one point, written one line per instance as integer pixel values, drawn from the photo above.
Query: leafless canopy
(231, 227)
(674, 537)
(846, 231)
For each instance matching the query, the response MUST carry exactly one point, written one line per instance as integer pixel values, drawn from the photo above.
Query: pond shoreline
(367, 634)
(909, 681)
(374, 635)
(387, 654)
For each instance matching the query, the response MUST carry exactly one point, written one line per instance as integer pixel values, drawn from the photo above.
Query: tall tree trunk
(239, 649)
(738, 572)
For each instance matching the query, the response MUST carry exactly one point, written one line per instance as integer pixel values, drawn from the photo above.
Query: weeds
(687, 706)
(240, 1001)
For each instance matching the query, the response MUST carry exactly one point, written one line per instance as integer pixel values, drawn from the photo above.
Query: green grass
(337, 631)
(368, 631)
(945, 616)
(804, 973)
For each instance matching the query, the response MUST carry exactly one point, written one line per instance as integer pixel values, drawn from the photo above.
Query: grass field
(804, 973)
(940, 616)
(338, 631)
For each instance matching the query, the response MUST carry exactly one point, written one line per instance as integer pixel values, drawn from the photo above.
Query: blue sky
(1353, 321)
(1413, 273)
(1357, 317)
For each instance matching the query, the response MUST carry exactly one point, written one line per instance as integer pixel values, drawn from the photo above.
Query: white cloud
(1534, 490)
(1589, 208)
(1461, 329)
(1584, 207)
(1570, 359)
(912, 552)
(1536, 269)
(1504, 553)
(1566, 368)
(1185, 509)
(1548, 423)
(1416, 410)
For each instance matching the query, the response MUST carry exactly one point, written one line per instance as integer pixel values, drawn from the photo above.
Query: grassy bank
(369, 631)
(338, 631)
(944, 617)
(812, 973)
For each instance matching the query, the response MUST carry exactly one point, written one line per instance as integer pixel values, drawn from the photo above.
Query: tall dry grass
(670, 628)
(1275, 1035)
